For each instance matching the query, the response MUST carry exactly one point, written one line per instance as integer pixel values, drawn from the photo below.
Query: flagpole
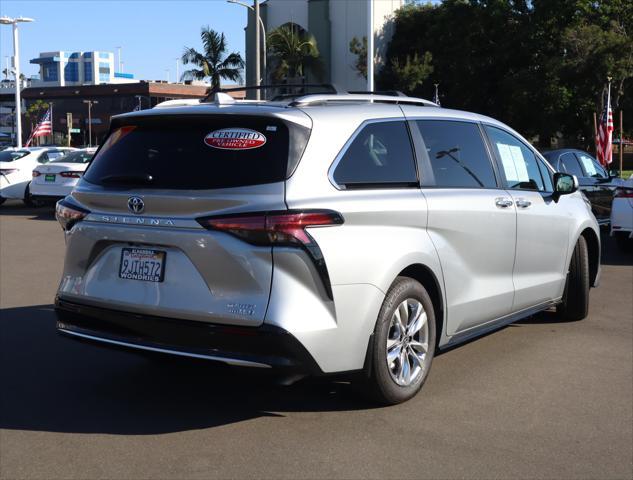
(52, 131)
(621, 140)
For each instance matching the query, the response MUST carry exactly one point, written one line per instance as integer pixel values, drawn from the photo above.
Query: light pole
(370, 46)
(259, 24)
(120, 64)
(177, 70)
(16, 71)
(90, 102)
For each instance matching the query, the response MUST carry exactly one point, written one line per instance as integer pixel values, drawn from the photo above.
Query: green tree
(35, 111)
(358, 48)
(411, 74)
(213, 62)
(293, 52)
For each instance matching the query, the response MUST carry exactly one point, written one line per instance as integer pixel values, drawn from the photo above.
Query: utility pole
(16, 69)
(257, 53)
(69, 125)
(90, 102)
(177, 70)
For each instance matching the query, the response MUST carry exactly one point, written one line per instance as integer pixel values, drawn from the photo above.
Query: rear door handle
(502, 202)
(523, 203)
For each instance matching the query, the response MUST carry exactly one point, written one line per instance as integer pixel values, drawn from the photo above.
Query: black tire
(379, 384)
(575, 304)
(28, 199)
(624, 243)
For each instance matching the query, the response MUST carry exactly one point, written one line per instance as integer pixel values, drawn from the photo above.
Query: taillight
(68, 214)
(286, 228)
(274, 228)
(7, 171)
(70, 174)
(36, 173)
(624, 193)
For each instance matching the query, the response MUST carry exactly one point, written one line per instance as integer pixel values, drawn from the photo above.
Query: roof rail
(354, 97)
(299, 89)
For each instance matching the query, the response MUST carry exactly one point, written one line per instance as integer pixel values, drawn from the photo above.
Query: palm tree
(213, 63)
(293, 51)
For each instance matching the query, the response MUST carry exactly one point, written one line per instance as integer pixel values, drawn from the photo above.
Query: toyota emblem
(136, 205)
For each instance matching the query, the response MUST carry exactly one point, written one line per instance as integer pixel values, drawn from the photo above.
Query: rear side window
(457, 154)
(380, 155)
(568, 163)
(198, 152)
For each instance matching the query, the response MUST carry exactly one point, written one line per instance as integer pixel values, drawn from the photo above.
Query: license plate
(49, 178)
(142, 264)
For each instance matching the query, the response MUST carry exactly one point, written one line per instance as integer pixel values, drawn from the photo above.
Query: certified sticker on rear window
(235, 139)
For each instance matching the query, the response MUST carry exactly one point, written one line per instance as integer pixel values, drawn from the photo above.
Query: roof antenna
(223, 99)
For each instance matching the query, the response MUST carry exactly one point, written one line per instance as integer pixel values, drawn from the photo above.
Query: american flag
(604, 145)
(45, 127)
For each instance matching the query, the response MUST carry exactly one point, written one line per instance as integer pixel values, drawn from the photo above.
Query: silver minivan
(320, 234)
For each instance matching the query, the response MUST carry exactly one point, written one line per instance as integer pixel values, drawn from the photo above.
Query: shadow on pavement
(52, 383)
(612, 254)
(17, 208)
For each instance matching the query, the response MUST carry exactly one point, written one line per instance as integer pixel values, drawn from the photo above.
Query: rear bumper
(264, 347)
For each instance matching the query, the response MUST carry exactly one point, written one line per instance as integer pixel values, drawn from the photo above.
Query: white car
(16, 167)
(622, 214)
(57, 178)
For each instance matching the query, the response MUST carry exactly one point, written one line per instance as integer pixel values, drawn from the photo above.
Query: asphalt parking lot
(538, 399)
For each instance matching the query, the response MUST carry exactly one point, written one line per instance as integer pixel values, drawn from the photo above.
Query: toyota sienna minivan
(319, 234)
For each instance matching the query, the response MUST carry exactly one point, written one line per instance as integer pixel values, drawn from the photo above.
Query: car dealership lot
(538, 399)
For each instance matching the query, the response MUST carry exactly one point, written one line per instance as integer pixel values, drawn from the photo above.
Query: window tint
(546, 175)
(457, 154)
(569, 164)
(11, 155)
(43, 158)
(380, 155)
(591, 167)
(518, 162)
(75, 157)
(198, 152)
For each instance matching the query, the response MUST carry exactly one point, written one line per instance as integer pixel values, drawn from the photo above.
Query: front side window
(518, 162)
(457, 154)
(591, 167)
(381, 155)
(569, 164)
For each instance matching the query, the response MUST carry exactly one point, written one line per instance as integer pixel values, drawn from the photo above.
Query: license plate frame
(145, 257)
(49, 177)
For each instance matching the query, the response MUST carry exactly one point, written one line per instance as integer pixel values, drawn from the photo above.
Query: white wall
(349, 19)
(284, 11)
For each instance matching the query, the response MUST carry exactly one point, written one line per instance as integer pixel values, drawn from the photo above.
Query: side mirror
(564, 184)
(613, 173)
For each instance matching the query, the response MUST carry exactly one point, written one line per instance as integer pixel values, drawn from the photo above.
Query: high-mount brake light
(68, 214)
(285, 228)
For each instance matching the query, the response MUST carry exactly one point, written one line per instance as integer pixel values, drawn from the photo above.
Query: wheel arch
(430, 282)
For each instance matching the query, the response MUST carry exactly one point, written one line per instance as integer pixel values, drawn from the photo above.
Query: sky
(152, 33)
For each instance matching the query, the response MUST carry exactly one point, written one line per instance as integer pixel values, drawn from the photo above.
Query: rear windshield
(202, 152)
(11, 155)
(75, 157)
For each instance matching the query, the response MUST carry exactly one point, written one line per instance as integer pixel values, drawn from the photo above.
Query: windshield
(75, 157)
(9, 156)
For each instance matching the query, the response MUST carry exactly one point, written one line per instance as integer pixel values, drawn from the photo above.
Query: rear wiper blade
(141, 179)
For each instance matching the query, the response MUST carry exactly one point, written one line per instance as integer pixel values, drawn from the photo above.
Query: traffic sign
(75, 130)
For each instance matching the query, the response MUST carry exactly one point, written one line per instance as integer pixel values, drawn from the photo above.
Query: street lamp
(16, 70)
(90, 102)
(259, 24)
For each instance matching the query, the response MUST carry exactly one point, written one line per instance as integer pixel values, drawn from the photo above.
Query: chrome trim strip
(141, 221)
(229, 361)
